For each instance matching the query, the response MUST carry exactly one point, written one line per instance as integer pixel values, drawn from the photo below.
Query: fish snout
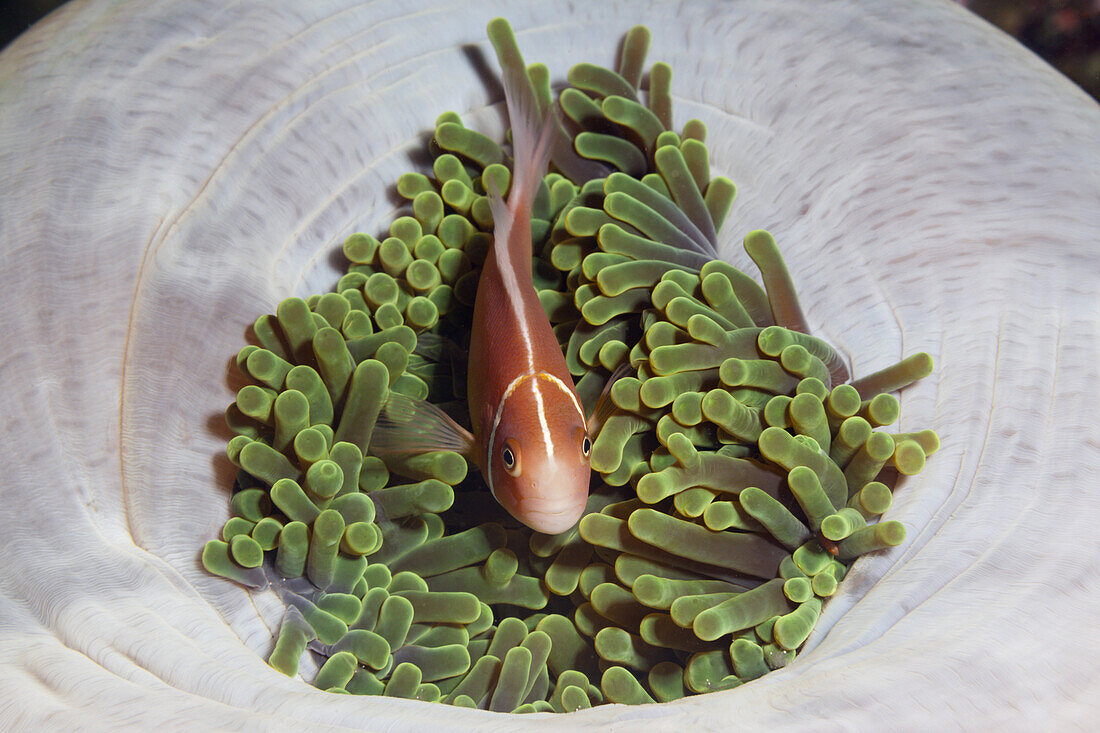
(554, 521)
(554, 500)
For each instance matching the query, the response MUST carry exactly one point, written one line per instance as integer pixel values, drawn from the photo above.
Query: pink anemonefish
(530, 437)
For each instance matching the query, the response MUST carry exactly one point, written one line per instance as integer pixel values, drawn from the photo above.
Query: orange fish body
(530, 439)
(530, 435)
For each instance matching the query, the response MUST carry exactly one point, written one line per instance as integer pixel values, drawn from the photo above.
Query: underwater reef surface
(152, 205)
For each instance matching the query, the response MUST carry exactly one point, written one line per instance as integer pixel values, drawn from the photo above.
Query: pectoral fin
(604, 406)
(410, 426)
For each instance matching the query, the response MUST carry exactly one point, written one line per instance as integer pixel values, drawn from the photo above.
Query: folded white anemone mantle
(169, 171)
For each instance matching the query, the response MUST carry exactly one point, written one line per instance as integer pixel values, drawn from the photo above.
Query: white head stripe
(493, 433)
(509, 390)
(572, 395)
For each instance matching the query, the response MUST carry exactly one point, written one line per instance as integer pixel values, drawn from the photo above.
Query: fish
(529, 434)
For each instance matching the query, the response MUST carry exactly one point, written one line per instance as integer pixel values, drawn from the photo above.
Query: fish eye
(586, 446)
(510, 457)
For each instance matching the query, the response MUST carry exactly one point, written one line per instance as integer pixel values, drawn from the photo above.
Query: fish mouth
(552, 522)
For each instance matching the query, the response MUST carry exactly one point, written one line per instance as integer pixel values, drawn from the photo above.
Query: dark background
(1064, 32)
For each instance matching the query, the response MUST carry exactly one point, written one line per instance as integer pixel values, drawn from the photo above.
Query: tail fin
(532, 134)
(532, 138)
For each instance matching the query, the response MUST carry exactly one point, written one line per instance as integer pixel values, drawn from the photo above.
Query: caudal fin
(532, 138)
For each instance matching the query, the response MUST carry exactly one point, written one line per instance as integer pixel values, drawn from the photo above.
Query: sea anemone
(738, 470)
